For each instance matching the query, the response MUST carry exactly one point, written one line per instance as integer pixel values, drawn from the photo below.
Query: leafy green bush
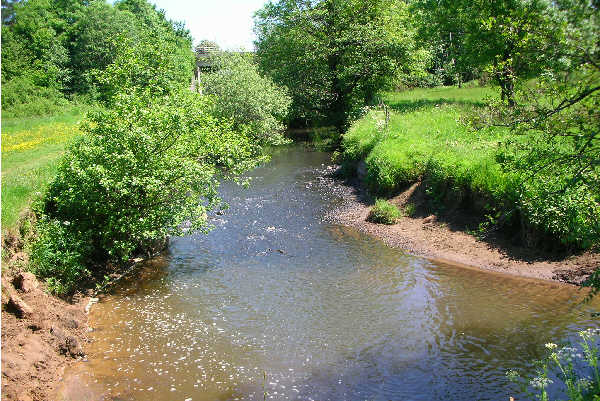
(409, 210)
(59, 255)
(156, 65)
(22, 98)
(383, 212)
(248, 98)
(146, 169)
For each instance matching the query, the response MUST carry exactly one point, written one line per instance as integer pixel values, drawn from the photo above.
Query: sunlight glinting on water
(276, 303)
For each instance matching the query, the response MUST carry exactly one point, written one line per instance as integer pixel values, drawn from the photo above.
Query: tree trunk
(507, 87)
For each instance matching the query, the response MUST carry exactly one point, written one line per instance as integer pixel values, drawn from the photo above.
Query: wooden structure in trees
(204, 63)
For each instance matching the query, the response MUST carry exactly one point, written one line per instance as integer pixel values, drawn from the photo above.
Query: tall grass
(30, 148)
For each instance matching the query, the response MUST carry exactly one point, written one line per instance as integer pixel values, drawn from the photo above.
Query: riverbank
(428, 136)
(443, 237)
(41, 336)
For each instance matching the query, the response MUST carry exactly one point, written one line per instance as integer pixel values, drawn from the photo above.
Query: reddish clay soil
(443, 237)
(41, 335)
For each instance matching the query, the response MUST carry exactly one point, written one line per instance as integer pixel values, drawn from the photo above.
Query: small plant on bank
(409, 210)
(383, 212)
(575, 369)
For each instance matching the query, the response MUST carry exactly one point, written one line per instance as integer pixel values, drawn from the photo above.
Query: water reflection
(274, 300)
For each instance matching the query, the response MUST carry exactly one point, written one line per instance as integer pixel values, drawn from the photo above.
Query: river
(277, 303)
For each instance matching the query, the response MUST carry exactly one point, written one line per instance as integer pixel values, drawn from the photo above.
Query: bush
(410, 210)
(247, 98)
(22, 98)
(155, 65)
(58, 255)
(383, 212)
(142, 171)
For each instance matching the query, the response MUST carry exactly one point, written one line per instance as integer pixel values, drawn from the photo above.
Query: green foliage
(66, 46)
(574, 368)
(409, 210)
(383, 212)
(555, 127)
(143, 170)
(511, 39)
(57, 255)
(333, 55)
(92, 41)
(21, 98)
(155, 65)
(247, 98)
(33, 45)
(427, 141)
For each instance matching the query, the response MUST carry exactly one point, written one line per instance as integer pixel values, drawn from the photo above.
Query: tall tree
(556, 122)
(333, 55)
(511, 39)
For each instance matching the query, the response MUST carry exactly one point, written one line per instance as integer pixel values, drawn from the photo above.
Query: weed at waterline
(383, 212)
(570, 366)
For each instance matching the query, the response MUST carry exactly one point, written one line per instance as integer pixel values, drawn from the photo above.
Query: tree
(33, 45)
(246, 97)
(511, 39)
(205, 45)
(156, 65)
(92, 41)
(333, 55)
(145, 169)
(442, 25)
(8, 11)
(556, 123)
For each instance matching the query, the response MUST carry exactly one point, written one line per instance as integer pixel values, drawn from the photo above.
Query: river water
(276, 303)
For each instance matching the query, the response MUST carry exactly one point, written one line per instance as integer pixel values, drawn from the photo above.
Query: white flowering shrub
(575, 368)
(144, 170)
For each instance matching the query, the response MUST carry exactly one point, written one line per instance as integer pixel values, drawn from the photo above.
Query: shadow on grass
(407, 106)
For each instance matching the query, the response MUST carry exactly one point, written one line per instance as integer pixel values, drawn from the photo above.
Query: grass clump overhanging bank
(384, 212)
(427, 139)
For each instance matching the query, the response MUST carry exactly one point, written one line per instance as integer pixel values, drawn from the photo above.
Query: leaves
(333, 55)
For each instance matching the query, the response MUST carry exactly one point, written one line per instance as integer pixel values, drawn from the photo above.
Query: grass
(30, 149)
(383, 212)
(426, 139)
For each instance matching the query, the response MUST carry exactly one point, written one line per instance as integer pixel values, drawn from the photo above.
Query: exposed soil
(444, 237)
(41, 334)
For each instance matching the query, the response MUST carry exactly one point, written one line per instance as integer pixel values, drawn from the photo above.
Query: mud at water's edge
(443, 240)
(42, 335)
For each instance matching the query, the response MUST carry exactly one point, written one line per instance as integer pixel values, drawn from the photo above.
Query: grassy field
(426, 139)
(30, 148)
(425, 134)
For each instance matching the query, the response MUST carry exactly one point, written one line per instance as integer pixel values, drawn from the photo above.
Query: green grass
(424, 136)
(30, 149)
(383, 212)
(426, 139)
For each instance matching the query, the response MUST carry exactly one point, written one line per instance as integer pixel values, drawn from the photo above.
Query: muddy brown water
(276, 303)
